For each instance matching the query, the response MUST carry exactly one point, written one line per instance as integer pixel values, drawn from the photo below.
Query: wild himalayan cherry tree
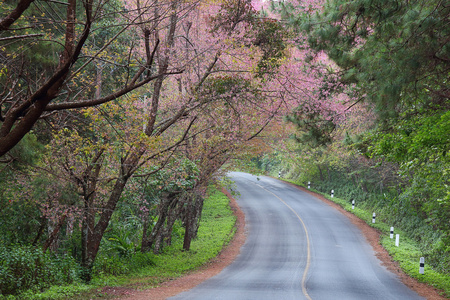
(142, 132)
(51, 49)
(227, 128)
(137, 136)
(320, 101)
(274, 92)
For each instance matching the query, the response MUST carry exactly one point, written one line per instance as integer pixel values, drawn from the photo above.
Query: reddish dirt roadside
(189, 281)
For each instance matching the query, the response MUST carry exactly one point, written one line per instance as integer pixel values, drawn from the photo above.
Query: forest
(119, 120)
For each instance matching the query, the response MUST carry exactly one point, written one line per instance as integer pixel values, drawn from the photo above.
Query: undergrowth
(139, 270)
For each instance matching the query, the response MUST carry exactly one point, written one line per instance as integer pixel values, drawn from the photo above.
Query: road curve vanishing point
(298, 247)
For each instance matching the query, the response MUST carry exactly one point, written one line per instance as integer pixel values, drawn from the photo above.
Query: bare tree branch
(16, 37)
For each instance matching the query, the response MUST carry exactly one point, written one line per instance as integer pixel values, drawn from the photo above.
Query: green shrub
(110, 265)
(119, 265)
(28, 268)
(141, 260)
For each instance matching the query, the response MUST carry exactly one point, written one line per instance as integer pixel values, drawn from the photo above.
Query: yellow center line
(308, 251)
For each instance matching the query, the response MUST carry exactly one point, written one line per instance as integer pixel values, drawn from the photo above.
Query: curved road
(298, 247)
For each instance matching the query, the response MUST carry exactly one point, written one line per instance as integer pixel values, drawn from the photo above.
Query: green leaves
(271, 39)
(420, 145)
(388, 48)
(425, 139)
(23, 268)
(178, 176)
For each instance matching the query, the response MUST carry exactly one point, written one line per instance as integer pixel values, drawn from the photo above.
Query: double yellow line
(308, 251)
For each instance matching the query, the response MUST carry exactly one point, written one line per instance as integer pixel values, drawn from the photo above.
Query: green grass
(407, 254)
(216, 229)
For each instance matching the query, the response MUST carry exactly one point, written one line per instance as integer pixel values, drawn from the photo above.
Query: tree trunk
(20, 118)
(40, 231)
(198, 214)
(54, 233)
(93, 240)
(193, 213)
(172, 216)
(89, 187)
(167, 201)
(163, 236)
(320, 173)
(21, 7)
(188, 225)
(87, 229)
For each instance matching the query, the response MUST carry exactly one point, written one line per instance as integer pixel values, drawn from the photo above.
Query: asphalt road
(298, 247)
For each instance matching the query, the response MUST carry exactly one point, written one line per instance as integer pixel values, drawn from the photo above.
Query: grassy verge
(407, 254)
(216, 230)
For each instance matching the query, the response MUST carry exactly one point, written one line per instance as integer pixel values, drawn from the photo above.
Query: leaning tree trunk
(193, 212)
(164, 234)
(173, 214)
(128, 166)
(188, 226)
(94, 239)
(156, 235)
(198, 214)
(54, 233)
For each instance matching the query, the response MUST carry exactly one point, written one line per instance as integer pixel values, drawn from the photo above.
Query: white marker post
(309, 184)
(422, 265)
(332, 193)
(279, 174)
(353, 204)
(397, 240)
(373, 218)
(392, 233)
